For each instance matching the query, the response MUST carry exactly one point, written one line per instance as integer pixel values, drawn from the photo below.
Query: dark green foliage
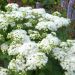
(52, 68)
(63, 34)
(3, 3)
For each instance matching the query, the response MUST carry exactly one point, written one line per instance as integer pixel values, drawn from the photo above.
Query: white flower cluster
(28, 39)
(17, 64)
(4, 47)
(48, 43)
(51, 22)
(34, 35)
(32, 62)
(3, 71)
(28, 24)
(38, 11)
(29, 58)
(45, 25)
(27, 12)
(20, 14)
(3, 22)
(22, 45)
(12, 7)
(66, 55)
(13, 49)
(18, 36)
(28, 48)
(36, 60)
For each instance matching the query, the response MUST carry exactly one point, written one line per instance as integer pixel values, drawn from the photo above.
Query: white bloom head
(38, 11)
(12, 7)
(4, 47)
(36, 60)
(18, 36)
(28, 48)
(3, 71)
(17, 64)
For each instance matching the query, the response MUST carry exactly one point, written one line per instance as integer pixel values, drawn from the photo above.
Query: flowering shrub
(28, 40)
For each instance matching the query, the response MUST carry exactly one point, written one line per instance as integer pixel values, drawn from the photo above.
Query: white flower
(12, 7)
(2, 18)
(27, 12)
(63, 44)
(52, 26)
(44, 25)
(20, 25)
(47, 16)
(69, 72)
(72, 50)
(66, 58)
(39, 11)
(17, 64)
(45, 46)
(48, 43)
(28, 48)
(53, 39)
(3, 71)
(3, 25)
(19, 36)
(36, 60)
(34, 35)
(25, 9)
(68, 63)
(65, 21)
(41, 26)
(59, 54)
(14, 49)
(4, 47)
(28, 24)
(58, 23)
(41, 19)
(17, 15)
(12, 64)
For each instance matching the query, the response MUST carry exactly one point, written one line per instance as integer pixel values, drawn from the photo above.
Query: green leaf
(41, 73)
(24, 1)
